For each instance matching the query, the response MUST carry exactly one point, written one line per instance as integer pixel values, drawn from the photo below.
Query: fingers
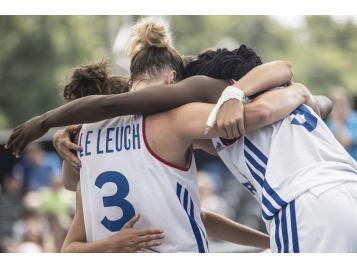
(17, 146)
(73, 146)
(132, 221)
(71, 158)
(149, 232)
(144, 246)
(229, 130)
(73, 128)
(151, 237)
(235, 129)
(21, 147)
(75, 170)
(10, 141)
(241, 128)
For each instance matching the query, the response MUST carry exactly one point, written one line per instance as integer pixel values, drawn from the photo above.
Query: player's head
(223, 63)
(152, 54)
(93, 79)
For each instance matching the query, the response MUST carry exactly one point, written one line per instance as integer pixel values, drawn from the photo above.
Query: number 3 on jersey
(116, 200)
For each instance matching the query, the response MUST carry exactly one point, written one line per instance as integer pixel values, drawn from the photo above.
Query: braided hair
(224, 63)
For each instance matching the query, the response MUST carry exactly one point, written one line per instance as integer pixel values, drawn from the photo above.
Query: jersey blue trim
(185, 200)
(274, 195)
(255, 175)
(254, 163)
(262, 180)
(284, 228)
(269, 206)
(255, 150)
(266, 216)
(294, 232)
(191, 209)
(178, 191)
(194, 225)
(277, 236)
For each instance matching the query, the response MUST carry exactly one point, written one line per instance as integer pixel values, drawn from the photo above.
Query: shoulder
(199, 80)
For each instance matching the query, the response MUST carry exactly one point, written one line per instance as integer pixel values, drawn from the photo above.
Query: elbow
(287, 70)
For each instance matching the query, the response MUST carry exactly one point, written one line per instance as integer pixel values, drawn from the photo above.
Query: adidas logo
(219, 147)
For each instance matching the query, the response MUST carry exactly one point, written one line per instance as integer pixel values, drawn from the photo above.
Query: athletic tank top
(122, 176)
(279, 162)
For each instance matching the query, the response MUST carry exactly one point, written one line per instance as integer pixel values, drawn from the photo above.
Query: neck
(143, 83)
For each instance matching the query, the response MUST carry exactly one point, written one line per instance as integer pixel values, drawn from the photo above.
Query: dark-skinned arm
(150, 100)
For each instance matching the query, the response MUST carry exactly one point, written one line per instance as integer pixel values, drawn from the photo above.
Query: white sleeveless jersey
(279, 162)
(122, 176)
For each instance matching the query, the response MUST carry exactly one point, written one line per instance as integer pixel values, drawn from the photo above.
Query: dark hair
(94, 79)
(151, 51)
(224, 63)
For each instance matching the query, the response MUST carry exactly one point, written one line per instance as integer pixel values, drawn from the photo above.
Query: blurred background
(38, 52)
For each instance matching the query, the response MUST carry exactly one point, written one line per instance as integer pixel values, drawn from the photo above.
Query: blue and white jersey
(122, 176)
(279, 162)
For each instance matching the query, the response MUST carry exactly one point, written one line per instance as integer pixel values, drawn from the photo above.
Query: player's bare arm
(320, 103)
(187, 123)
(150, 100)
(267, 108)
(222, 228)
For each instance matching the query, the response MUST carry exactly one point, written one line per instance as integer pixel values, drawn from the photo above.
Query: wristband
(229, 93)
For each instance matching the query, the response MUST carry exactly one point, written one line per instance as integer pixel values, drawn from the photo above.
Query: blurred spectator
(37, 168)
(10, 205)
(29, 232)
(35, 209)
(209, 199)
(57, 204)
(343, 121)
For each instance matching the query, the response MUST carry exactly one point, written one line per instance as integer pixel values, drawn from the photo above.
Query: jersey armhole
(168, 163)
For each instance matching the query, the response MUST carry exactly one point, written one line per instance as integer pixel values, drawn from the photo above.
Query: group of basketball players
(140, 169)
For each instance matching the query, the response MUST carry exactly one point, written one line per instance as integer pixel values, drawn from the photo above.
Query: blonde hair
(148, 32)
(150, 50)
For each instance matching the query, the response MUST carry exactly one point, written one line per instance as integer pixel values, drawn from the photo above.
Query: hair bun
(146, 33)
(92, 73)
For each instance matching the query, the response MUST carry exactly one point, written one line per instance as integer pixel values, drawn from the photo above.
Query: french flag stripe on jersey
(190, 214)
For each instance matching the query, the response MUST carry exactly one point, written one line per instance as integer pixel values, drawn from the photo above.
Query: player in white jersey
(144, 184)
(194, 128)
(100, 223)
(304, 180)
(166, 196)
(118, 152)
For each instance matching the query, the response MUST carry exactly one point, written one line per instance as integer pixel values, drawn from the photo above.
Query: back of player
(122, 176)
(304, 179)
